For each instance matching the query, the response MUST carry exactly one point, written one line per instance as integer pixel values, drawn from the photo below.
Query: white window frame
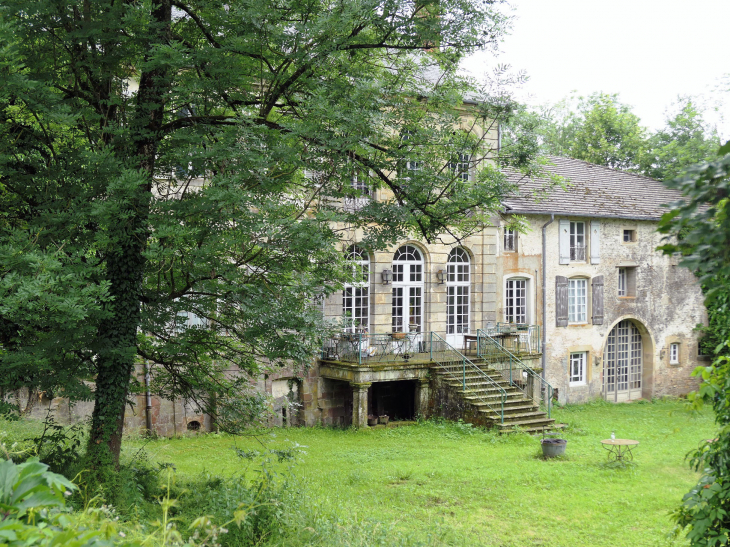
(577, 300)
(461, 167)
(622, 282)
(408, 280)
(514, 310)
(577, 368)
(410, 164)
(458, 297)
(356, 295)
(674, 353)
(578, 241)
(510, 240)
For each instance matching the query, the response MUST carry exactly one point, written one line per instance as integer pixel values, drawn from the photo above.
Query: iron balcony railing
(363, 347)
(513, 370)
(578, 253)
(519, 338)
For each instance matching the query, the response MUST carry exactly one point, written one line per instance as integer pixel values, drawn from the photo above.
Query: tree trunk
(126, 261)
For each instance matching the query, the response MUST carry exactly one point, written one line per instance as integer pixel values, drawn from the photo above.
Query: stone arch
(648, 355)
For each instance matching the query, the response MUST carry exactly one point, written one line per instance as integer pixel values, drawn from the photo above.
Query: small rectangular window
(510, 240)
(674, 354)
(578, 368)
(627, 281)
(629, 236)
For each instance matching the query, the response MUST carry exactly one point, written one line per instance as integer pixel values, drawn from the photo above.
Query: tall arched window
(458, 279)
(356, 295)
(407, 307)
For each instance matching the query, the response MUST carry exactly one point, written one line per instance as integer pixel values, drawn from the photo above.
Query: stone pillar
(360, 404)
(422, 397)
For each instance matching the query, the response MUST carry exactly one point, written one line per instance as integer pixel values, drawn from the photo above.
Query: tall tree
(685, 140)
(173, 163)
(599, 129)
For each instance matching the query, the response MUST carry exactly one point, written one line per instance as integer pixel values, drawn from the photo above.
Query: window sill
(675, 364)
(577, 384)
(585, 324)
(633, 297)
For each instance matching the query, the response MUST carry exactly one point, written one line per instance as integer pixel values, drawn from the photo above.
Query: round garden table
(619, 449)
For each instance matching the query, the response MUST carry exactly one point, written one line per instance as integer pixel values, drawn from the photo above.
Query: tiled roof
(592, 190)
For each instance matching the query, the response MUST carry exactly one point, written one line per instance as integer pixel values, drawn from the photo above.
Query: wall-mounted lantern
(441, 277)
(387, 276)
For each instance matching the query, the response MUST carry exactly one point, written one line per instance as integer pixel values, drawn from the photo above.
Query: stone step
(509, 411)
(530, 414)
(534, 422)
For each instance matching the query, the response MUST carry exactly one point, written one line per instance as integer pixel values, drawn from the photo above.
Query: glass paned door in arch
(623, 363)
(458, 280)
(407, 305)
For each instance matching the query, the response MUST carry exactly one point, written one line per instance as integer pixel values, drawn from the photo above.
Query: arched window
(458, 279)
(407, 306)
(356, 295)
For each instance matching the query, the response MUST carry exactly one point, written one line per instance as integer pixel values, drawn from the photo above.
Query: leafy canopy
(176, 178)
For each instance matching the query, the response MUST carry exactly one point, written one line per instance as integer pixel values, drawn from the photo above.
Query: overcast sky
(648, 51)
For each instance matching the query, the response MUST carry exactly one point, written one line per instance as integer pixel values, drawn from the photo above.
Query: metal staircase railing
(510, 366)
(443, 354)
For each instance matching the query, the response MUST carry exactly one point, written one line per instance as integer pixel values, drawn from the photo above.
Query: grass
(445, 483)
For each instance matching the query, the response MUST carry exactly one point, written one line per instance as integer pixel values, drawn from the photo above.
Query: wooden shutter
(561, 301)
(564, 237)
(595, 242)
(597, 299)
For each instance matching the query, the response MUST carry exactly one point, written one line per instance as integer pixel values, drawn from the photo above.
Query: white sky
(647, 51)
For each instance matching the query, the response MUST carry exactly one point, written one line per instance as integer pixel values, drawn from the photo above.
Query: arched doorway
(458, 279)
(623, 363)
(407, 308)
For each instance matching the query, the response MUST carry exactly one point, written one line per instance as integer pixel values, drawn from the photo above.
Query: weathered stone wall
(445, 402)
(666, 306)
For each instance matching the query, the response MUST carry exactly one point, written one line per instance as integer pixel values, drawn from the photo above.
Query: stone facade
(628, 285)
(633, 300)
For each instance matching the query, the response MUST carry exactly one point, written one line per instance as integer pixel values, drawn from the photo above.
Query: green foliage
(602, 130)
(700, 230)
(598, 129)
(174, 179)
(60, 447)
(685, 140)
(700, 222)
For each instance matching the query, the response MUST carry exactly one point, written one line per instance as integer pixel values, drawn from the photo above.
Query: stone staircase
(486, 399)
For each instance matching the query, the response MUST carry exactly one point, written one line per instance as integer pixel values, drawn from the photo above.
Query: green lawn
(435, 483)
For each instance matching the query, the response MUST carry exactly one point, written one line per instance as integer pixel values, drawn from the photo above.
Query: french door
(458, 280)
(407, 307)
(623, 363)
